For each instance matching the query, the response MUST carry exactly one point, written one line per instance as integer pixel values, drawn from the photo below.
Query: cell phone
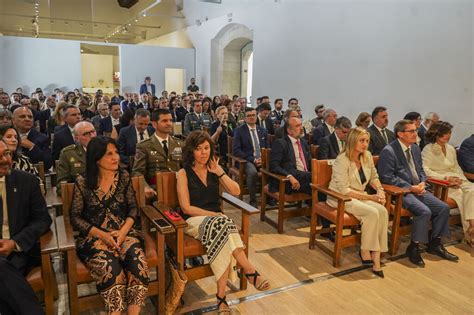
(162, 225)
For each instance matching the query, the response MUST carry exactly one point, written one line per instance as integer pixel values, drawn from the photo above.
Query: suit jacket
(43, 120)
(127, 142)
(143, 89)
(377, 142)
(268, 124)
(319, 133)
(421, 134)
(393, 166)
(105, 125)
(28, 216)
(277, 117)
(41, 150)
(181, 113)
(328, 148)
(236, 121)
(466, 155)
(316, 122)
(283, 160)
(62, 138)
(242, 146)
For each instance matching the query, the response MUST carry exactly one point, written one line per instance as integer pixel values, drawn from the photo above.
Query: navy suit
(393, 169)
(144, 90)
(283, 162)
(28, 219)
(127, 142)
(181, 113)
(466, 155)
(328, 147)
(62, 138)
(320, 132)
(43, 120)
(268, 125)
(41, 150)
(105, 125)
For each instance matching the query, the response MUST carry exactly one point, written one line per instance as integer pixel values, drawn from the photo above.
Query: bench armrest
(336, 195)
(239, 204)
(152, 214)
(235, 158)
(394, 190)
(49, 241)
(65, 234)
(278, 177)
(161, 209)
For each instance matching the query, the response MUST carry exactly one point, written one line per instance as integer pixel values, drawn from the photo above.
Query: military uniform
(236, 120)
(72, 161)
(192, 122)
(150, 158)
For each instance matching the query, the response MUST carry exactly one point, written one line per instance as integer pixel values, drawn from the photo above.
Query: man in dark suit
(318, 120)
(332, 145)
(466, 155)
(106, 124)
(35, 145)
(248, 140)
(131, 135)
(380, 136)
(278, 112)
(263, 118)
(24, 218)
(46, 114)
(291, 158)
(430, 118)
(326, 128)
(63, 136)
(400, 164)
(147, 87)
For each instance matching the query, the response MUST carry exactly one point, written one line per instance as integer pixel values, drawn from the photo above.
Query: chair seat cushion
(192, 247)
(330, 213)
(35, 279)
(288, 197)
(451, 203)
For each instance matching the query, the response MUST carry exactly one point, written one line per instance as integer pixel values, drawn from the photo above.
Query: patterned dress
(23, 163)
(121, 276)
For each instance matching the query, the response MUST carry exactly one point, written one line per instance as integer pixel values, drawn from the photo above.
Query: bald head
(294, 127)
(84, 131)
(23, 119)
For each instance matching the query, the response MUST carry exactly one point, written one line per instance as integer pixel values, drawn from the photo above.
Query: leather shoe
(271, 202)
(378, 273)
(440, 251)
(330, 236)
(413, 253)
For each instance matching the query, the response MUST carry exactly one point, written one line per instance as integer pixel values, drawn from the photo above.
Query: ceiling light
(20, 29)
(129, 24)
(136, 20)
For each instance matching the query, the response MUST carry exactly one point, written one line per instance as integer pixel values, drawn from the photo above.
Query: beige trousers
(464, 197)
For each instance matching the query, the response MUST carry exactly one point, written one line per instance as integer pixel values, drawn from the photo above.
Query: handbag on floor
(175, 288)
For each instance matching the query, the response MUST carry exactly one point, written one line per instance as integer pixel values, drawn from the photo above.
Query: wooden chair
(270, 138)
(280, 196)
(314, 151)
(321, 176)
(469, 176)
(441, 190)
(77, 272)
(184, 246)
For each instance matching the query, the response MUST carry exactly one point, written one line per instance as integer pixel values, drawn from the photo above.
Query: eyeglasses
(411, 131)
(88, 133)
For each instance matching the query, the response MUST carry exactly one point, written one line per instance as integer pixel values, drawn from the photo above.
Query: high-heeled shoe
(365, 262)
(378, 273)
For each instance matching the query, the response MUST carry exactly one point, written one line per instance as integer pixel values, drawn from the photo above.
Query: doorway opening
(100, 66)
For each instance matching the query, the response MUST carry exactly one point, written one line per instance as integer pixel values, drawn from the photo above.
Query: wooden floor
(303, 280)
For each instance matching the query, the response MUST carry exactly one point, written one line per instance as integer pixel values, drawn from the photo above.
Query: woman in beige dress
(440, 162)
(352, 171)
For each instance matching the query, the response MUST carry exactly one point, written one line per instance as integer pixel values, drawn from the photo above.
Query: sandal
(264, 284)
(221, 300)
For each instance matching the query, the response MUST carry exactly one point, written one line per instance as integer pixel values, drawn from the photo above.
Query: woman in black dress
(198, 186)
(219, 131)
(105, 213)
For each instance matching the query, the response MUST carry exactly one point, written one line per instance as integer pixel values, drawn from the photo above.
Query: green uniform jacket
(72, 161)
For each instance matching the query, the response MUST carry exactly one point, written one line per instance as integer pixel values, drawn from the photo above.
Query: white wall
(97, 67)
(138, 62)
(353, 55)
(34, 62)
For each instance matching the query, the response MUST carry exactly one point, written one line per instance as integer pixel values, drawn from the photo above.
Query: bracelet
(221, 175)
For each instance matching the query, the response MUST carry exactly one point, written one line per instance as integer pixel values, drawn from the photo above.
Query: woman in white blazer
(440, 162)
(352, 171)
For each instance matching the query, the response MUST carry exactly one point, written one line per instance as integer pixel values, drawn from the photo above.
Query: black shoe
(366, 262)
(197, 261)
(378, 273)
(271, 202)
(413, 253)
(440, 251)
(330, 236)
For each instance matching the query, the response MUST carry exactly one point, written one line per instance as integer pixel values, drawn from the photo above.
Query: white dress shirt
(145, 135)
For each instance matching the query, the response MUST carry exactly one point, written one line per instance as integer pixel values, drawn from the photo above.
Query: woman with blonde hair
(56, 118)
(352, 171)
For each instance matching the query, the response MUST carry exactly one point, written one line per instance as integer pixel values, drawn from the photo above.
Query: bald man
(72, 159)
(35, 145)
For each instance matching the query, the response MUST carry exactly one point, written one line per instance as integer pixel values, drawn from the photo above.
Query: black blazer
(181, 113)
(127, 142)
(283, 161)
(320, 132)
(41, 150)
(43, 120)
(328, 148)
(62, 138)
(377, 143)
(28, 216)
(421, 134)
(268, 124)
(105, 125)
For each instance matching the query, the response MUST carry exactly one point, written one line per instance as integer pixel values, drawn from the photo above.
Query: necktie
(165, 147)
(384, 136)
(303, 160)
(414, 174)
(1, 217)
(256, 144)
(142, 136)
(5, 230)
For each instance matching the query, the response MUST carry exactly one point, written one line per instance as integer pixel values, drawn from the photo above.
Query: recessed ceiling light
(20, 29)
(136, 20)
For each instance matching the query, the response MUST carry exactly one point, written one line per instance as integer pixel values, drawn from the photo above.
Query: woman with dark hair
(105, 213)
(440, 162)
(12, 138)
(416, 118)
(198, 188)
(174, 102)
(363, 120)
(216, 102)
(127, 119)
(35, 107)
(206, 107)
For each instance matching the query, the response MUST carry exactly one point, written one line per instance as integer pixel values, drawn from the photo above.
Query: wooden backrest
(40, 168)
(314, 151)
(321, 172)
(166, 188)
(271, 138)
(229, 144)
(265, 153)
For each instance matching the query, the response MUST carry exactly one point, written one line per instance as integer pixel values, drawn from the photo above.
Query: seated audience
(133, 134)
(182, 109)
(196, 120)
(103, 112)
(63, 136)
(83, 104)
(292, 102)
(466, 155)
(220, 129)
(380, 136)
(46, 114)
(290, 157)
(318, 120)
(248, 140)
(117, 98)
(416, 118)
(56, 120)
(440, 162)
(105, 213)
(263, 117)
(400, 164)
(198, 185)
(106, 124)
(281, 131)
(5, 116)
(236, 115)
(430, 118)
(330, 146)
(160, 152)
(72, 159)
(326, 128)
(4, 101)
(277, 113)
(34, 144)
(126, 120)
(363, 120)
(145, 103)
(352, 171)
(24, 219)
